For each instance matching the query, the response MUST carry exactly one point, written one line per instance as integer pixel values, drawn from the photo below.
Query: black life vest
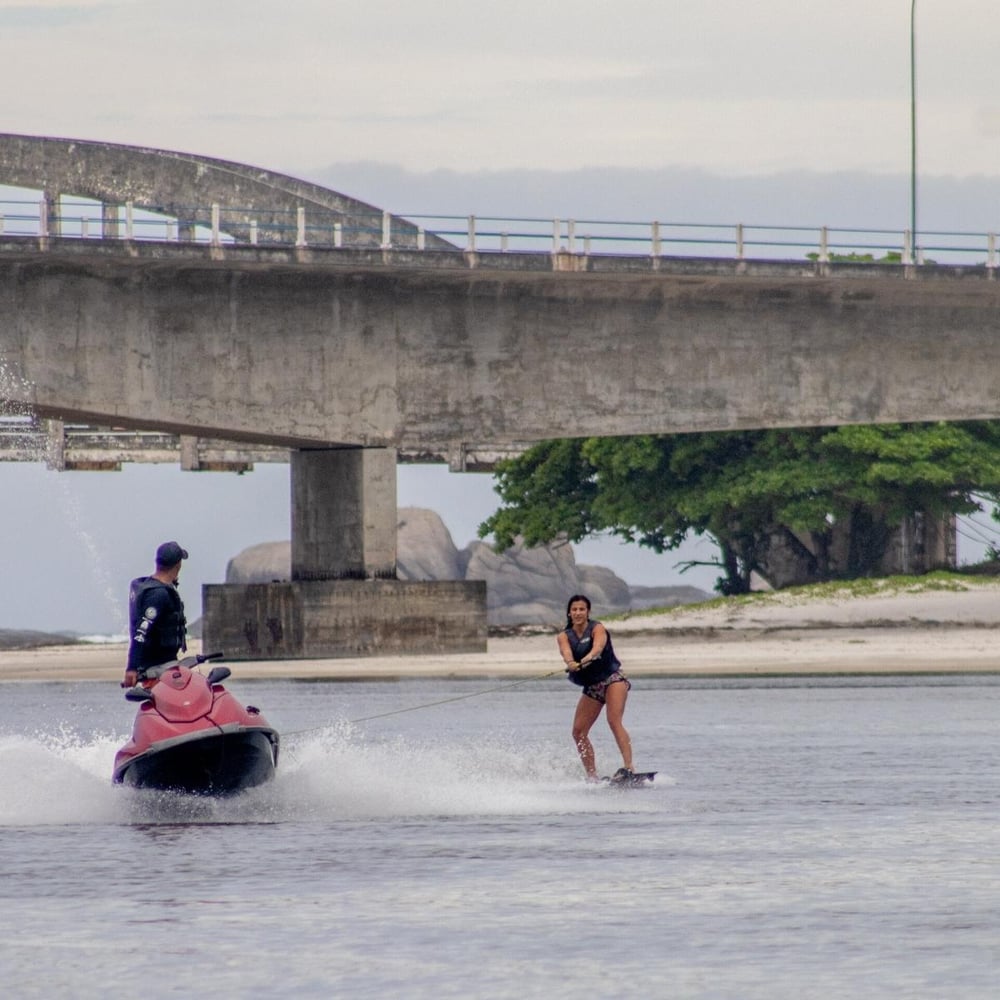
(165, 634)
(597, 670)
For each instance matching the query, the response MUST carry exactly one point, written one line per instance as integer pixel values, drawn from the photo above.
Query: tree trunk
(735, 581)
(868, 539)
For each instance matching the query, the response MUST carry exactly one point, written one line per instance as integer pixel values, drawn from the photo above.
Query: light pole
(913, 130)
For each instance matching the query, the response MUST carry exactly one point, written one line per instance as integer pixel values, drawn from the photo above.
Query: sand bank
(934, 631)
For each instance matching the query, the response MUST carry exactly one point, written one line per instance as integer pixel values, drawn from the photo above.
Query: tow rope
(431, 704)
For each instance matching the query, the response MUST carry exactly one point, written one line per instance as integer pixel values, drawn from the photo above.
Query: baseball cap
(170, 554)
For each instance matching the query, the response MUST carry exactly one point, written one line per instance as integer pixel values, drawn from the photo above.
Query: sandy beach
(918, 631)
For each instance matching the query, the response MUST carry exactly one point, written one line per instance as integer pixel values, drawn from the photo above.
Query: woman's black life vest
(597, 670)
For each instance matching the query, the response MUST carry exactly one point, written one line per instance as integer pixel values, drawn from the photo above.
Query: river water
(810, 837)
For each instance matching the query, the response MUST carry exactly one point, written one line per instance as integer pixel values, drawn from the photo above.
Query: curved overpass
(183, 186)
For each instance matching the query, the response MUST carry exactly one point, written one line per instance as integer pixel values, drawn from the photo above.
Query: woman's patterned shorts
(597, 691)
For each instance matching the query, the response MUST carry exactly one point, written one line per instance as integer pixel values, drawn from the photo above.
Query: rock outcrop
(524, 586)
(268, 562)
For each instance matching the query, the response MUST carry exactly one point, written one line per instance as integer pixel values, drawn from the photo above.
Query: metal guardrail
(65, 446)
(494, 234)
(71, 446)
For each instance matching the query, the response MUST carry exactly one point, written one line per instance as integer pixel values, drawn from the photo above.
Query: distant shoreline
(906, 649)
(31, 639)
(911, 629)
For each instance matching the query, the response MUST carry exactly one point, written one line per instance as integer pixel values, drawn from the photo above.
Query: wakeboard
(630, 779)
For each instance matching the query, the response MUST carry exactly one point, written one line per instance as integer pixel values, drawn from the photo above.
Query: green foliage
(889, 257)
(549, 491)
(742, 487)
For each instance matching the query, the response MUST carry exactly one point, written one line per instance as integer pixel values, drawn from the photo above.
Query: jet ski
(191, 735)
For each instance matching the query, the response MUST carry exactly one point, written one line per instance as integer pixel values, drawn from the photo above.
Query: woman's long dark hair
(571, 602)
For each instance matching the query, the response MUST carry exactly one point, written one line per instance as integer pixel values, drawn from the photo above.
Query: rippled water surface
(804, 838)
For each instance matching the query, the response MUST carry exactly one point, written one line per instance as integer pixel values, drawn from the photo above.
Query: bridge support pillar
(334, 619)
(343, 599)
(344, 514)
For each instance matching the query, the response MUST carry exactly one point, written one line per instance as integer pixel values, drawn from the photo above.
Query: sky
(722, 85)
(779, 111)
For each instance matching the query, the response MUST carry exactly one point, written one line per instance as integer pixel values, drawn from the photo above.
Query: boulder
(605, 588)
(524, 586)
(665, 597)
(268, 562)
(530, 586)
(424, 549)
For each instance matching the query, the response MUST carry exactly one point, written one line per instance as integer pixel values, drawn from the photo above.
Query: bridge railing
(245, 225)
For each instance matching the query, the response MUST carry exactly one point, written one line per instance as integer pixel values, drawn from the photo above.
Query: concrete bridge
(351, 352)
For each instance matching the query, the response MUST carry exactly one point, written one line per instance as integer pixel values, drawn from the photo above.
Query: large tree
(745, 488)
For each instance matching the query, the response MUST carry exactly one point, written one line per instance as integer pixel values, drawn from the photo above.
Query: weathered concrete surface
(346, 347)
(343, 618)
(343, 514)
(185, 186)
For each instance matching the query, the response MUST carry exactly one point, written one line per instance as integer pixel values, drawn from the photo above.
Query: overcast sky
(717, 84)
(766, 111)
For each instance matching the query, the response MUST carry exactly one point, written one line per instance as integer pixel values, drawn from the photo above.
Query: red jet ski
(191, 735)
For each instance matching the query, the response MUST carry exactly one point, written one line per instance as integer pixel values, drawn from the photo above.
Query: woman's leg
(587, 711)
(616, 695)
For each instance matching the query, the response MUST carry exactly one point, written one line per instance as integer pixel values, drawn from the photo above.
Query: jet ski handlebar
(215, 675)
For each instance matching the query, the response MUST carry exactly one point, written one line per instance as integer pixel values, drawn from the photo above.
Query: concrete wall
(344, 347)
(343, 618)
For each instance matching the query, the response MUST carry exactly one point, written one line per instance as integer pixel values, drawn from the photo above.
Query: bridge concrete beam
(328, 349)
